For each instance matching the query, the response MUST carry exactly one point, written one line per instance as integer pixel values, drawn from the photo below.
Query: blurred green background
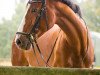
(90, 11)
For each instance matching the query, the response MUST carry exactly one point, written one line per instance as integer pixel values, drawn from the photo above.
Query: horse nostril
(18, 42)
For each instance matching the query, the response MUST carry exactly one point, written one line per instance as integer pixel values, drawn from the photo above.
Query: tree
(8, 29)
(91, 14)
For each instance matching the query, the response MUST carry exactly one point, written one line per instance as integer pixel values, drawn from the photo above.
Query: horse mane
(73, 6)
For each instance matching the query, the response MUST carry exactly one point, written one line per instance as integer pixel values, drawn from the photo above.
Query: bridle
(41, 12)
(32, 34)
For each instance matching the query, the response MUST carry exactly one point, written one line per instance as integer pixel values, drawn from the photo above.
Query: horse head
(35, 22)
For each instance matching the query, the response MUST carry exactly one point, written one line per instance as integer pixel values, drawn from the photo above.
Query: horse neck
(71, 24)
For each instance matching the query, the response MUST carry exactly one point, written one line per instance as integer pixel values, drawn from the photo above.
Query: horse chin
(24, 47)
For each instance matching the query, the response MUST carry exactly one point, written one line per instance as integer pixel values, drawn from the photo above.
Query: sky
(7, 8)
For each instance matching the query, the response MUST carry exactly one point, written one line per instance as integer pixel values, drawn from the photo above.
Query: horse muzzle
(23, 42)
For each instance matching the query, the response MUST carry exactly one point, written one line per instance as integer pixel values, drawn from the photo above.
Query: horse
(74, 50)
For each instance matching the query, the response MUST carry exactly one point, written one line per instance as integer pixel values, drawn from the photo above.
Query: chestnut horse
(73, 47)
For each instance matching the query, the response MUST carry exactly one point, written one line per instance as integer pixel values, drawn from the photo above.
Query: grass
(46, 71)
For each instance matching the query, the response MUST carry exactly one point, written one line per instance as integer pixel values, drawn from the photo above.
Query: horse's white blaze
(21, 26)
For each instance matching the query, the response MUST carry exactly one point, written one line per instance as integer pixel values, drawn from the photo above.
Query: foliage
(91, 13)
(8, 29)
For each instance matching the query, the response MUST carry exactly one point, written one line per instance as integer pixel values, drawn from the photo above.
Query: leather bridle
(41, 12)
(32, 34)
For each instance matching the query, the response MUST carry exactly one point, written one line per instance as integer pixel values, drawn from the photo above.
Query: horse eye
(34, 10)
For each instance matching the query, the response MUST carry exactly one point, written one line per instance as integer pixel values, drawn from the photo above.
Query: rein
(41, 55)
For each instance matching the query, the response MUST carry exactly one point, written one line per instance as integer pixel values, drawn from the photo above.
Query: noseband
(31, 35)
